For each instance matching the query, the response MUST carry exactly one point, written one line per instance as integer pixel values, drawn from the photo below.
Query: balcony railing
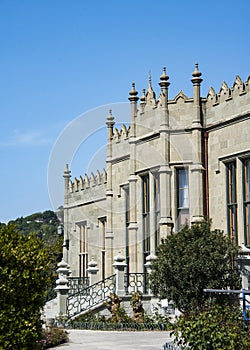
(90, 297)
(77, 284)
(136, 282)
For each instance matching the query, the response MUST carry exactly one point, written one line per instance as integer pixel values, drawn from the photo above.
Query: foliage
(163, 319)
(52, 337)
(136, 304)
(118, 313)
(45, 226)
(92, 320)
(219, 327)
(190, 261)
(23, 282)
(89, 316)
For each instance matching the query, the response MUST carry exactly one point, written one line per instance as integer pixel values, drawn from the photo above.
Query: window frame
(180, 209)
(246, 199)
(232, 200)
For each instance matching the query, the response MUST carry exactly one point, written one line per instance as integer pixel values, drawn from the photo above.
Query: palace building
(180, 160)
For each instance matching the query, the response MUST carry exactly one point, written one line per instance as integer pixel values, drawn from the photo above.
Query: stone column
(119, 266)
(149, 267)
(92, 271)
(109, 195)
(133, 179)
(197, 169)
(62, 287)
(166, 222)
(67, 176)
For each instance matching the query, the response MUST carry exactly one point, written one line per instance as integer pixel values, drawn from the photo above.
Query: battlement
(121, 135)
(91, 181)
(226, 94)
(228, 103)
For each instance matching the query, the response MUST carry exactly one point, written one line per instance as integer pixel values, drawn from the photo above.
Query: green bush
(52, 337)
(216, 328)
(23, 283)
(191, 260)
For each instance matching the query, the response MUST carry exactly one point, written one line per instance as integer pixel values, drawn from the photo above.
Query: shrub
(190, 261)
(216, 328)
(23, 283)
(52, 337)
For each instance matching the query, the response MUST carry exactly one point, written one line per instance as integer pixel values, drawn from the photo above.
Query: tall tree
(190, 261)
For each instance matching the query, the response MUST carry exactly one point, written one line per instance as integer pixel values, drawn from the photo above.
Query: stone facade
(179, 160)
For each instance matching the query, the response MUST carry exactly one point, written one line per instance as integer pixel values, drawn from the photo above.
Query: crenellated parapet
(120, 135)
(228, 103)
(83, 183)
(226, 94)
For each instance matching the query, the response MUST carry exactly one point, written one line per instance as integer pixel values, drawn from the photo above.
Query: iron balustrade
(90, 297)
(172, 346)
(136, 282)
(77, 284)
(121, 326)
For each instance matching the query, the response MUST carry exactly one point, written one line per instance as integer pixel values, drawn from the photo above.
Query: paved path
(104, 340)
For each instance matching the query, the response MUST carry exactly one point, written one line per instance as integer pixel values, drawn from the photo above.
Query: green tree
(190, 261)
(23, 282)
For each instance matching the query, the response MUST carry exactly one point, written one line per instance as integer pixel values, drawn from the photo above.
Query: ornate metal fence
(77, 284)
(90, 297)
(172, 346)
(136, 282)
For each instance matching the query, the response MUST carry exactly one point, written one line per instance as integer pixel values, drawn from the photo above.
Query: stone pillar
(166, 222)
(62, 287)
(109, 194)
(149, 267)
(197, 170)
(133, 225)
(92, 271)
(67, 176)
(119, 266)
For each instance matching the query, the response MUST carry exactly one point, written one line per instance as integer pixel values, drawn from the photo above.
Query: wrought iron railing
(136, 282)
(121, 326)
(77, 284)
(90, 297)
(172, 346)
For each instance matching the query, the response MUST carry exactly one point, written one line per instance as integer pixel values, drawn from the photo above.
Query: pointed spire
(150, 95)
(150, 89)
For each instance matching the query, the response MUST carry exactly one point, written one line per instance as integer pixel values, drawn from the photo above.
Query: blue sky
(60, 59)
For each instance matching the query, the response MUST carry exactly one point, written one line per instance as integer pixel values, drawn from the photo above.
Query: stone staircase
(77, 296)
